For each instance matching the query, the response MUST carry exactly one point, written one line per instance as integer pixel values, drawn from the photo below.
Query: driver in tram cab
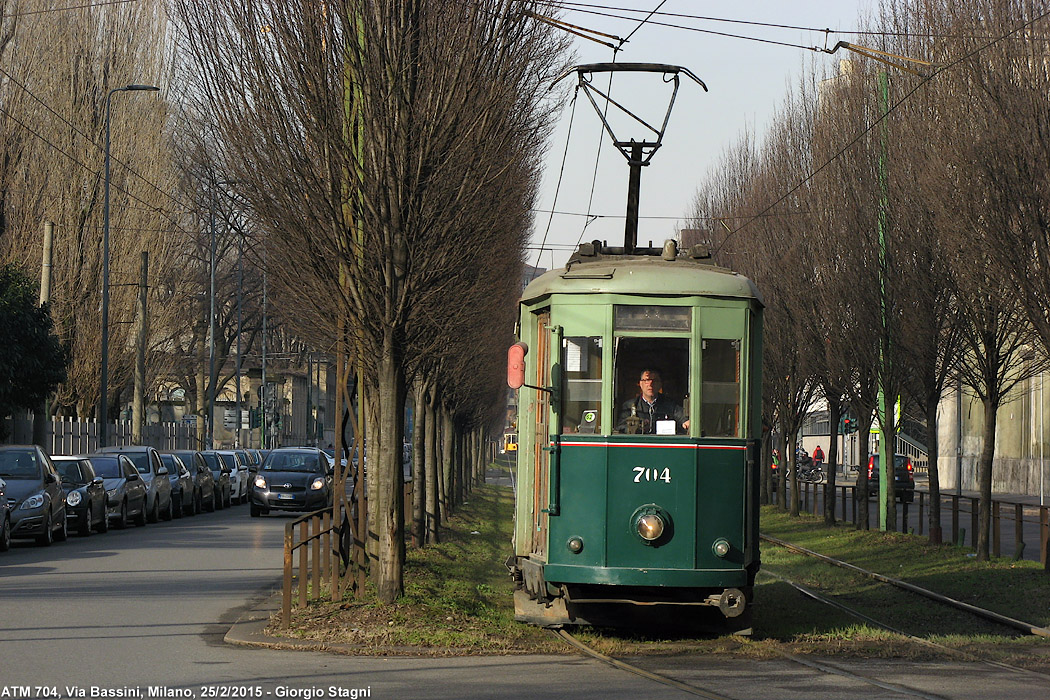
(643, 413)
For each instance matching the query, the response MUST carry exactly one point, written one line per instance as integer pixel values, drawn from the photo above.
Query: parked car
(203, 481)
(125, 488)
(238, 475)
(221, 477)
(181, 482)
(34, 494)
(297, 479)
(85, 494)
(5, 519)
(903, 479)
(150, 468)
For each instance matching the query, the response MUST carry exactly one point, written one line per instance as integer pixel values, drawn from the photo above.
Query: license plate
(285, 496)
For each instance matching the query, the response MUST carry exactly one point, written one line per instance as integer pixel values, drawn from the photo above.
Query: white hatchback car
(238, 475)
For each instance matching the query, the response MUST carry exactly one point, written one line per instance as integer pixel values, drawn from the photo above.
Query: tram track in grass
(815, 664)
(821, 667)
(1007, 623)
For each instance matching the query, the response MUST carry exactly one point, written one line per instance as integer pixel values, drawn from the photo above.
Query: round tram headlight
(575, 544)
(650, 527)
(721, 547)
(652, 524)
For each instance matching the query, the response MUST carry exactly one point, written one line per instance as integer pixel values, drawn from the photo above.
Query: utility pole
(40, 415)
(138, 408)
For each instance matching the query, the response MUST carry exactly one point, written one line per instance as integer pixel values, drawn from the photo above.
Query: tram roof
(642, 274)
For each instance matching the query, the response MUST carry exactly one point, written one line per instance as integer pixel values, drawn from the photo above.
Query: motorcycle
(808, 470)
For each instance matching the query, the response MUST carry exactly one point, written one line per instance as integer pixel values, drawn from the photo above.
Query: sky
(746, 81)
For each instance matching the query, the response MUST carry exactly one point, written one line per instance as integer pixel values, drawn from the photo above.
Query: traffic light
(847, 425)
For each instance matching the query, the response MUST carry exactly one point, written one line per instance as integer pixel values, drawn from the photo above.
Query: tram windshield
(652, 386)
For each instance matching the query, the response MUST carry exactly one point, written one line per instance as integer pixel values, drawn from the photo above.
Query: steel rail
(1025, 627)
(810, 593)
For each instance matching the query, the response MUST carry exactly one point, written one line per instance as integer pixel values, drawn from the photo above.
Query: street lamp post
(104, 399)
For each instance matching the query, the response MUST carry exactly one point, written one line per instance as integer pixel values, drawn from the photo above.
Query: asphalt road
(119, 614)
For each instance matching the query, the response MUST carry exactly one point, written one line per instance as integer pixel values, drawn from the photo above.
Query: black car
(5, 519)
(85, 494)
(182, 501)
(125, 489)
(34, 493)
(903, 479)
(203, 480)
(221, 477)
(298, 479)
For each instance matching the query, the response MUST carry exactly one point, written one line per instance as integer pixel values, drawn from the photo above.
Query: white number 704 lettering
(651, 474)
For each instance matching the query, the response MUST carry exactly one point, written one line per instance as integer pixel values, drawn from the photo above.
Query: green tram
(623, 516)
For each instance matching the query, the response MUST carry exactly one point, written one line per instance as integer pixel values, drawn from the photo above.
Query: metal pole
(211, 326)
(634, 184)
(103, 418)
(262, 393)
(240, 278)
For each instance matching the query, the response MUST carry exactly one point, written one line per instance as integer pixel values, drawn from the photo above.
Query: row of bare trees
(389, 151)
(899, 227)
(59, 67)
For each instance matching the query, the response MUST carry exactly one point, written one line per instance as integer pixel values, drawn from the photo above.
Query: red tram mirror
(516, 365)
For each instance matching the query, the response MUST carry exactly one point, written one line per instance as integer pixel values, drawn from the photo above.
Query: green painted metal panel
(582, 506)
(651, 470)
(721, 503)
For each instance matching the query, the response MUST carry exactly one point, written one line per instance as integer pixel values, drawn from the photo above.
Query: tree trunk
(430, 469)
(835, 414)
(936, 533)
(984, 480)
(793, 464)
(385, 453)
(419, 490)
(449, 437)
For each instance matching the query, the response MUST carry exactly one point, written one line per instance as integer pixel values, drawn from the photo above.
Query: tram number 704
(651, 474)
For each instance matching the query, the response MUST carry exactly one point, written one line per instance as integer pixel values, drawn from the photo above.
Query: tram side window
(721, 388)
(668, 359)
(582, 372)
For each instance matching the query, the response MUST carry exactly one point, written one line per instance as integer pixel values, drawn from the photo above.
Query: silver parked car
(154, 474)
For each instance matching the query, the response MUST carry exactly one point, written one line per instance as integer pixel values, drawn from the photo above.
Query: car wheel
(154, 512)
(63, 532)
(140, 517)
(85, 525)
(122, 519)
(103, 524)
(177, 508)
(229, 500)
(255, 511)
(5, 535)
(169, 512)
(45, 538)
(211, 503)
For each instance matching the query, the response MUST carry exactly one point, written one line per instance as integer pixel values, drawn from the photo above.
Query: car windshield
(291, 462)
(172, 465)
(107, 467)
(140, 460)
(70, 472)
(19, 464)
